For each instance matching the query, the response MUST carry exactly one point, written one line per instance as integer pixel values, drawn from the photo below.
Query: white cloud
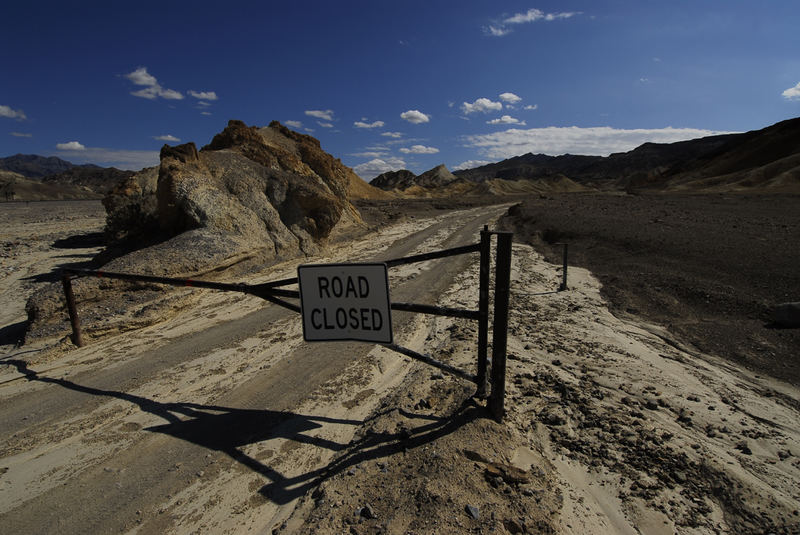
(496, 31)
(471, 164)
(793, 93)
(375, 167)
(531, 107)
(325, 115)
(362, 124)
(393, 135)
(370, 154)
(6, 111)
(499, 29)
(133, 160)
(205, 113)
(294, 124)
(167, 137)
(415, 116)
(21, 134)
(599, 141)
(141, 77)
(419, 149)
(533, 15)
(325, 125)
(511, 98)
(71, 145)
(506, 119)
(482, 105)
(152, 88)
(204, 95)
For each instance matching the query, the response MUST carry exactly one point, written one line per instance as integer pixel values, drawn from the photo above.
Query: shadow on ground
(227, 429)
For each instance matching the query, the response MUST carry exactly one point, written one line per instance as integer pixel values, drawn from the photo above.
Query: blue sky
(390, 85)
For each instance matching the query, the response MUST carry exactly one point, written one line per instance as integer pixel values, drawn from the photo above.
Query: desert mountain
(404, 179)
(15, 187)
(35, 166)
(92, 179)
(763, 159)
(394, 180)
(51, 178)
(249, 198)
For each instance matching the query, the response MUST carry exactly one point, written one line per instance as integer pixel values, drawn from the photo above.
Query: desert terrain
(220, 419)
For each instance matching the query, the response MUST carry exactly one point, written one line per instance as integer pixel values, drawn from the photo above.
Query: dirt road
(159, 428)
(222, 420)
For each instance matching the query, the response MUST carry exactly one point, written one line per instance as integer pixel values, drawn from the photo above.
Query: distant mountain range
(34, 177)
(767, 159)
(35, 166)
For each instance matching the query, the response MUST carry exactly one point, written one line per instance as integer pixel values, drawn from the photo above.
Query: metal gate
(275, 292)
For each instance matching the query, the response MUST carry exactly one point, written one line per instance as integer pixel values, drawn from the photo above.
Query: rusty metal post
(483, 312)
(502, 285)
(564, 271)
(77, 337)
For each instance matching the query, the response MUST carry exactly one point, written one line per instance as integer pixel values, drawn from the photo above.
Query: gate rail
(274, 293)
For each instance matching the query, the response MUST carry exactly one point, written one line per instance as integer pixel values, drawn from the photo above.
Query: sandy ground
(612, 426)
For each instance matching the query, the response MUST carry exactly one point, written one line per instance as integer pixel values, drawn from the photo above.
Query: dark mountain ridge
(35, 166)
(769, 157)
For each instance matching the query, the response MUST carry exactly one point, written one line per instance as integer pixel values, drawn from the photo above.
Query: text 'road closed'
(345, 302)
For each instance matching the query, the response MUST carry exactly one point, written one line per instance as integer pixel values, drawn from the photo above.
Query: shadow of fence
(229, 429)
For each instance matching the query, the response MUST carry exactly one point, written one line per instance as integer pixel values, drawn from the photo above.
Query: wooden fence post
(483, 311)
(502, 285)
(77, 337)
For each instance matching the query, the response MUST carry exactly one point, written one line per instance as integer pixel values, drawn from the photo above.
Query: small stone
(743, 447)
(473, 511)
(651, 404)
(556, 362)
(367, 512)
(512, 526)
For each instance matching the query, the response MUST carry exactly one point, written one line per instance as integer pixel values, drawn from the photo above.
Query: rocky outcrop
(247, 199)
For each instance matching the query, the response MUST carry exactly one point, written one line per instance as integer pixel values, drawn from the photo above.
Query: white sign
(345, 302)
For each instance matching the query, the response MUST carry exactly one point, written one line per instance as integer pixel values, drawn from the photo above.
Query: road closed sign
(345, 302)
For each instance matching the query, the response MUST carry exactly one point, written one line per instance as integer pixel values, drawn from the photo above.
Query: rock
(512, 526)
(651, 404)
(251, 197)
(506, 473)
(473, 511)
(786, 315)
(743, 447)
(554, 416)
(367, 512)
